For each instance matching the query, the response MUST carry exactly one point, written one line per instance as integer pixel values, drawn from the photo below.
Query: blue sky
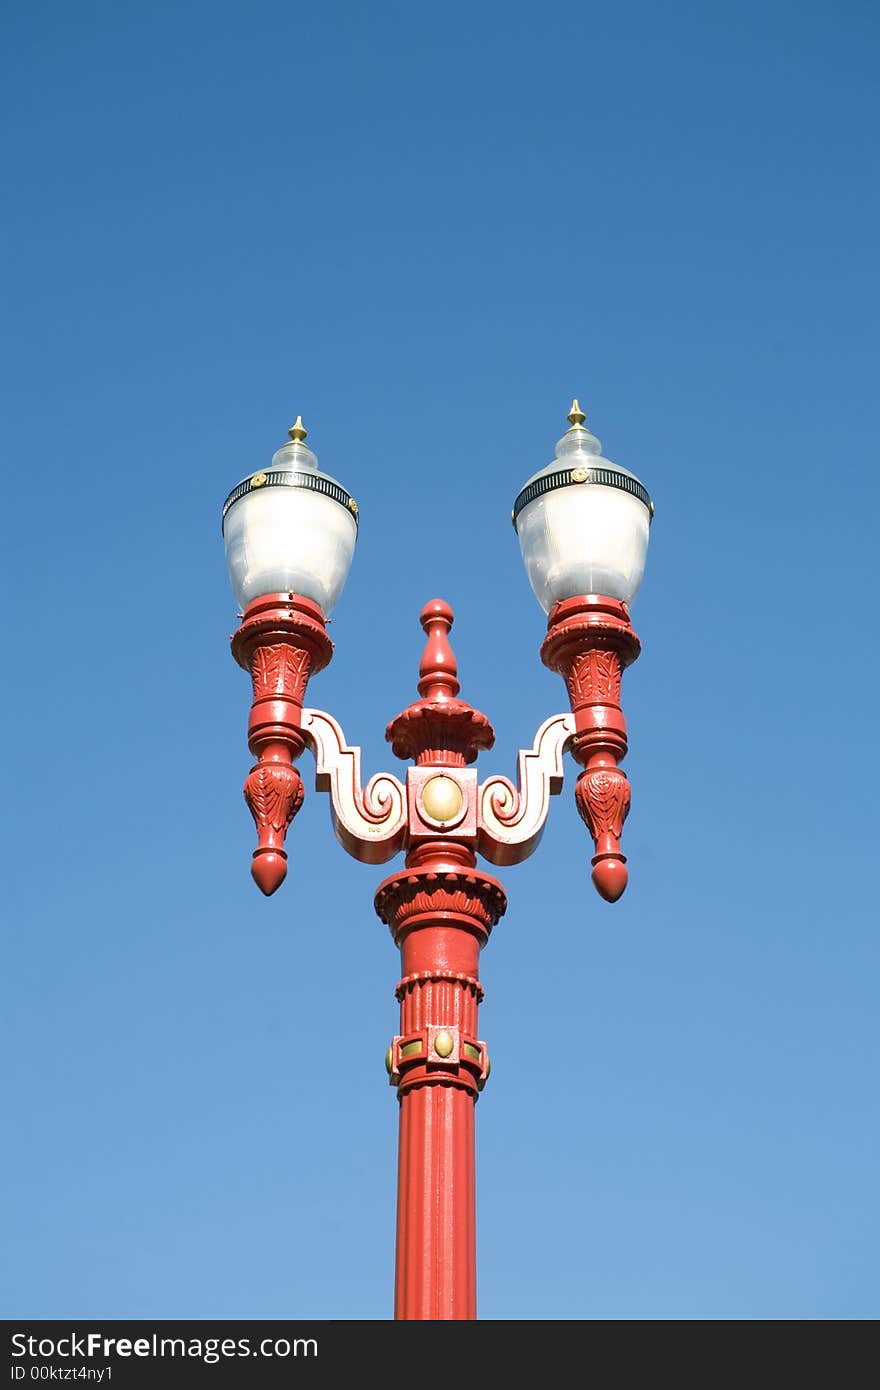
(426, 227)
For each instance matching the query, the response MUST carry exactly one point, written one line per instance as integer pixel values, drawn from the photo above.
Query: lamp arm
(511, 818)
(590, 641)
(370, 822)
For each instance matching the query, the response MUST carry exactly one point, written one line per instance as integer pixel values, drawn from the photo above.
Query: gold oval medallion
(442, 799)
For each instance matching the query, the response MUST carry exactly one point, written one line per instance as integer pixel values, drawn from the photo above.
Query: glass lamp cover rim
(312, 481)
(551, 480)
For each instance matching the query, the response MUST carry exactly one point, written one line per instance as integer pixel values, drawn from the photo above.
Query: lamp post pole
(440, 910)
(440, 907)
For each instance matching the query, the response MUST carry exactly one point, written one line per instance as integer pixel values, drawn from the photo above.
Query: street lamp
(583, 525)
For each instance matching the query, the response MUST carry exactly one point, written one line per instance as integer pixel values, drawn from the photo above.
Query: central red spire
(439, 728)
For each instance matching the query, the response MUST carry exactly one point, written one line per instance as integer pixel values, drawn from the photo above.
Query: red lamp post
(583, 526)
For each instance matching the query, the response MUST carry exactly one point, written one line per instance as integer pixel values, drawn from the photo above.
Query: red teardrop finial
(610, 877)
(268, 870)
(438, 669)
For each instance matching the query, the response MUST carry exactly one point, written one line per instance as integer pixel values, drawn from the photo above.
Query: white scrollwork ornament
(512, 817)
(369, 822)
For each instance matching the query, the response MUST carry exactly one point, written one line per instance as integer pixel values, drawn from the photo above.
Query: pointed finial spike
(576, 416)
(297, 432)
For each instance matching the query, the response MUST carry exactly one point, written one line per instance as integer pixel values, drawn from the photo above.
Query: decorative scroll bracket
(371, 823)
(282, 641)
(511, 819)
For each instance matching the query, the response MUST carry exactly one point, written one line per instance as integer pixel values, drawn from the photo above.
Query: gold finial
(576, 416)
(298, 432)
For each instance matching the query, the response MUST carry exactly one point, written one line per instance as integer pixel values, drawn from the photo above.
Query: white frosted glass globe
(290, 531)
(583, 525)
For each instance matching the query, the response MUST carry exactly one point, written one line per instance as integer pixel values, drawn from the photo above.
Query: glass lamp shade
(290, 530)
(583, 523)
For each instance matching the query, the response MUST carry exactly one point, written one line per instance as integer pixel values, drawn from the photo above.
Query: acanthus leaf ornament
(415, 895)
(274, 792)
(280, 670)
(602, 794)
(594, 678)
(603, 797)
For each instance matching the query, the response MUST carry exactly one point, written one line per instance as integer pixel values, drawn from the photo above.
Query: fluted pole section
(436, 1210)
(440, 919)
